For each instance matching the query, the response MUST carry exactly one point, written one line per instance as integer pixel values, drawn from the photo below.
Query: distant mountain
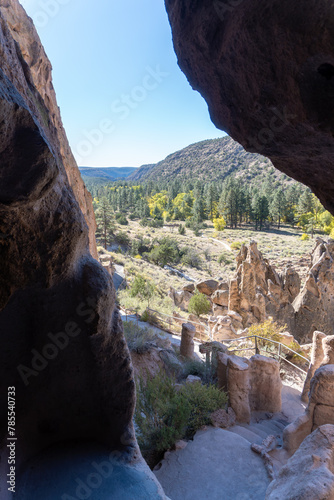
(107, 173)
(212, 160)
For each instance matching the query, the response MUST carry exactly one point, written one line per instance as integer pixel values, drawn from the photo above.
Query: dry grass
(282, 247)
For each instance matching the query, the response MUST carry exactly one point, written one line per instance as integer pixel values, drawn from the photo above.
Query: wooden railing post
(256, 346)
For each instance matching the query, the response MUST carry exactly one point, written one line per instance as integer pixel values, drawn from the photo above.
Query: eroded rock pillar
(187, 340)
(317, 356)
(266, 386)
(238, 383)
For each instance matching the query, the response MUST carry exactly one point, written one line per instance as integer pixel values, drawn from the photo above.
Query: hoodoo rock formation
(258, 292)
(63, 354)
(266, 70)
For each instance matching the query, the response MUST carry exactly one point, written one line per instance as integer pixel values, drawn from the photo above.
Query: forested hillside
(215, 181)
(106, 174)
(213, 160)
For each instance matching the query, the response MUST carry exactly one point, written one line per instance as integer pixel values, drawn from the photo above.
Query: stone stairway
(221, 463)
(259, 431)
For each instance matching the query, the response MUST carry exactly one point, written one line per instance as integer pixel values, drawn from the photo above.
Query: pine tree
(278, 207)
(260, 210)
(104, 222)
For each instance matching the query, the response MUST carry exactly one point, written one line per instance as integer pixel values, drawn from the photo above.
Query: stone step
(246, 433)
(256, 429)
(268, 427)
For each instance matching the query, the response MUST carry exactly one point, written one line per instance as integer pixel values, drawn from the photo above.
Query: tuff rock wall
(61, 338)
(37, 71)
(266, 71)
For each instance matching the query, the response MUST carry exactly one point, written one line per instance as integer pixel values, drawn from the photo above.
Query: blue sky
(123, 99)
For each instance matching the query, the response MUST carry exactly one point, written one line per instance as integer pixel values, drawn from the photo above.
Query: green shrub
(140, 245)
(121, 219)
(155, 223)
(164, 415)
(161, 413)
(236, 245)
(122, 238)
(224, 259)
(166, 252)
(138, 339)
(194, 367)
(203, 400)
(304, 237)
(149, 317)
(191, 258)
(182, 230)
(144, 222)
(199, 304)
(143, 288)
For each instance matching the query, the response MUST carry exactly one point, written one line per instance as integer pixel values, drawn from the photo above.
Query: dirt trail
(227, 247)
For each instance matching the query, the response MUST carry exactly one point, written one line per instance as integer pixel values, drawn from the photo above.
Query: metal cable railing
(258, 350)
(174, 322)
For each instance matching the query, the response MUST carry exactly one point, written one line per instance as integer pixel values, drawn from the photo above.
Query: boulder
(219, 310)
(220, 297)
(314, 305)
(224, 329)
(180, 298)
(222, 360)
(328, 347)
(223, 285)
(236, 319)
(286, 338)
(189, 287)
(147, 365)
(208, 287)
(223, 419)
(320, 409)
(322, 386)
(193, 379)
(309, 473)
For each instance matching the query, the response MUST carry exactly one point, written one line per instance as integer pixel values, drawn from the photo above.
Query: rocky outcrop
(309, 474)
(36, 71)
(317, 357)
(180, 298)
(270, 87)
(320, 409)
(314, 306)
(258, 291)
(63, 353)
